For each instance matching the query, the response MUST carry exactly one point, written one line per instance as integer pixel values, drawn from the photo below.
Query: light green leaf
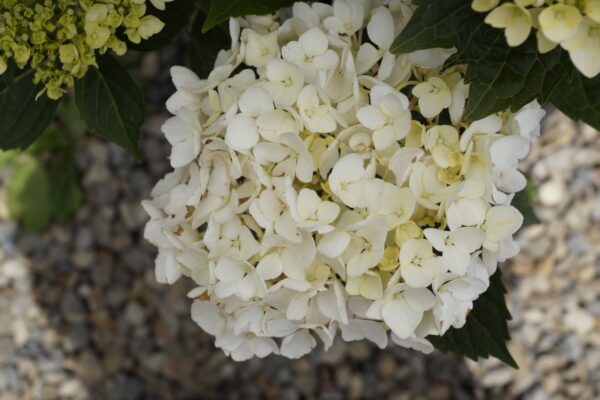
(8, 157)
(222, 10)
(28, 196)
(111, 104)
(65, 192)
(485, 332)
(22, 117)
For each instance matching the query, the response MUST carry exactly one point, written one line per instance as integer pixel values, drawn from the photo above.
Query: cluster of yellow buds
(572, 24)
(60, 39)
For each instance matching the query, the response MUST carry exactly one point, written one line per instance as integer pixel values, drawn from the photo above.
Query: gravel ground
(82, 318)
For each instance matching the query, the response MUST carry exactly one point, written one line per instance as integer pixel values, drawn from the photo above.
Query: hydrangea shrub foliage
(345, 168)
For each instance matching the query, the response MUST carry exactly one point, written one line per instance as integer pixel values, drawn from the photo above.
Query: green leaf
(8, 158)
(28, 195)
(111, 104)
(52, 139)
(436, 23)
(221, 10)
(573, 94)
(485, 332)
(23, 118)
(509, 80)
(176, 15)
(500, 77)
(68, 116)
(204, 47)
(524, 201)
(65, 192)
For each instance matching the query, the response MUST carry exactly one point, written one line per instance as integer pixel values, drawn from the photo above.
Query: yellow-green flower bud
(97, 13)
(53, 90)
(150, 26)
(97, 36)
(60, 39)
(38, 37)
(68, 53)
(21, 54)
(118, 46)
(3, 65)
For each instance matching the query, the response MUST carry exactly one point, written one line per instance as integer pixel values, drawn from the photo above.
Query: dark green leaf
(573, 94)
(204, 47)
(176, 15)
(436, 23)
(508, 80)
(221, 10)
(524, 201)
(28, 195)
(485, 332)
(111, 104)
(22, 117)
(500, 77)
(65, 193)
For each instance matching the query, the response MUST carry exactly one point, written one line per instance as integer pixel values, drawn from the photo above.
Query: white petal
(361, 329)
(367, 57)
(262, 347)
(270, 267)
(308, 202)
(242, 133)
(488, 125)
(419, 299)
(229, 270)
(328, 305)
(298, 307)
(437, 238)
(207, 316)
(468, 239)
(415, 276)
(401, 318)
(422, 345)
(333, 244)
(507, 151)
(281, 327)
(457, 260)
(381, 28)
(297, 345)
(167, 269)
(387, 66)
(314, 42)
(502, 222)
(327, 212)
(256, 101)
(371, 117)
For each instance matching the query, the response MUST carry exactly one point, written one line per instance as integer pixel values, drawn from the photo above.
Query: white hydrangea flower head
(322, 184)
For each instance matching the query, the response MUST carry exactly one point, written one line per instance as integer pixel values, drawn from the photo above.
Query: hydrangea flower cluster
(60, 39)
(324, 184)
(574, 25)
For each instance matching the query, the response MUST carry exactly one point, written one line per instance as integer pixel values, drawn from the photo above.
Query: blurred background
(82, 318)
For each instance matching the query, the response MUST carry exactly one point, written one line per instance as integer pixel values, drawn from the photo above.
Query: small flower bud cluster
(573, 25)
(322, 184)
(60, 39)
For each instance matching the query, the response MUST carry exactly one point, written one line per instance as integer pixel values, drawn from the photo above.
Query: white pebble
(552, 193)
